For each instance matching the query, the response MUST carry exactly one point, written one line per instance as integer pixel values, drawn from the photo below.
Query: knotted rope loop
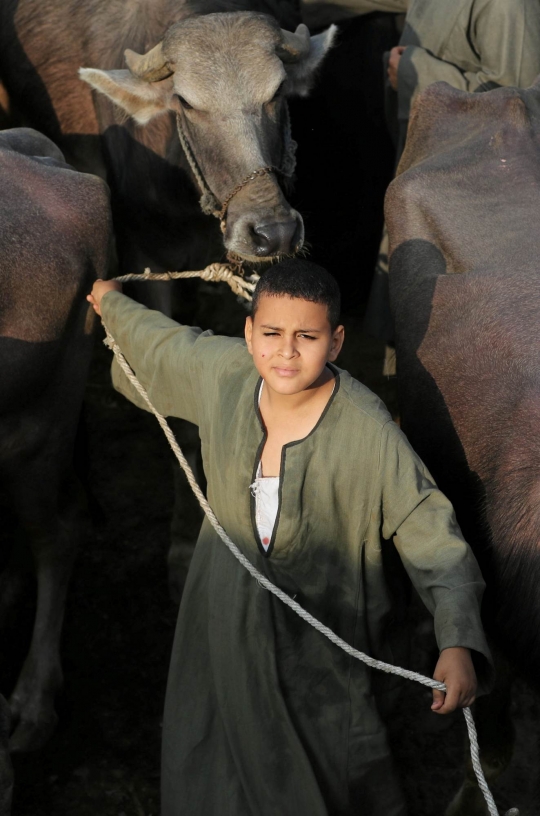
(215, 272)
(208, 201)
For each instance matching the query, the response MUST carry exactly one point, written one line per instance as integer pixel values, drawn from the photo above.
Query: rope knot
(217, 272)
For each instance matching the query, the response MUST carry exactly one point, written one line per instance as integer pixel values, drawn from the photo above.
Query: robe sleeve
(175, 364)
(440, 564)
(506, 37)
(320, 13)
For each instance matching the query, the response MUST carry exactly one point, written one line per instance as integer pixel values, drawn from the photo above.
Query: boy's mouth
(285, 372)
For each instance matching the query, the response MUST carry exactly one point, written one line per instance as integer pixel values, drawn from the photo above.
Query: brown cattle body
(54, 241)
(465, 290)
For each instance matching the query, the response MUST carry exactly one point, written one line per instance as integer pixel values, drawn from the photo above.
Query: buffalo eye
(183, 102)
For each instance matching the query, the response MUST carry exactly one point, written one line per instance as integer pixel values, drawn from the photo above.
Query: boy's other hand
(393, 65)
(99, 289)
(455, 669)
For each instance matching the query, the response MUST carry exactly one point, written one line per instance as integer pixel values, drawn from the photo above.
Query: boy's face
(291, 341)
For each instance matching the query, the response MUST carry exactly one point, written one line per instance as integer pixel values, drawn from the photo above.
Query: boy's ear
(248, 331)
(338, 338)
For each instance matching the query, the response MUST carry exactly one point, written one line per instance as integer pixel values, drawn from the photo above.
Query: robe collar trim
(267, 552)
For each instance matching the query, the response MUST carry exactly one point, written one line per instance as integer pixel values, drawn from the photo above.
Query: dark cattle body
(230, 68)
(54, 241)
(465, 292)
(465, 289)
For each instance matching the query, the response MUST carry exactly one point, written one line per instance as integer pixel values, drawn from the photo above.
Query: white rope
(260, 578)
(216, 272)
(208, 202)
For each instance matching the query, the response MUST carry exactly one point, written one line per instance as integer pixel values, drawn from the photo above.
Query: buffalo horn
(294, 47)
(151, 66)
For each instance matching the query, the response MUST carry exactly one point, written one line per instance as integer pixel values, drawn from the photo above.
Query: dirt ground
(104, 758)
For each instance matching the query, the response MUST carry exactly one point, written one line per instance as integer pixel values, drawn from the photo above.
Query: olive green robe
(264, 716)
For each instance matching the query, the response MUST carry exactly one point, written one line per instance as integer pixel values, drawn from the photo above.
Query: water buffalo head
(227, 77)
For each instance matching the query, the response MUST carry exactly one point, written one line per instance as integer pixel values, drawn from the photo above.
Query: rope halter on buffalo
(222, 272)
(208, 201)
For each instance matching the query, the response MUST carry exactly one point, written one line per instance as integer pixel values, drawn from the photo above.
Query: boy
(312, 480)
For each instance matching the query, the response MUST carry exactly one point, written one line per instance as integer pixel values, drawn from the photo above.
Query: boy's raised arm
(163, 354)
(440, 564)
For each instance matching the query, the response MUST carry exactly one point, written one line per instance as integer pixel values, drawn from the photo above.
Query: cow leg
(187, 514)
(496, 738)
(537, 771)
(50, 516)
(17, 568)
(6, 770)
(13, 580)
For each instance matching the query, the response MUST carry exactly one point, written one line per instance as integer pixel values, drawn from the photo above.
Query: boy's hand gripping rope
(223, 272)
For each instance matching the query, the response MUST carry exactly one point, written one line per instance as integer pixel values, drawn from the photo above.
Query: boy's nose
(288, 350)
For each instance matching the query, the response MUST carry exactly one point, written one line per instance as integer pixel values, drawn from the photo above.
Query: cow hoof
(6, 782)
(6, 769)
(30, 734)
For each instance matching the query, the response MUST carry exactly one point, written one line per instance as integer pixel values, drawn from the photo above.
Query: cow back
(54, 241)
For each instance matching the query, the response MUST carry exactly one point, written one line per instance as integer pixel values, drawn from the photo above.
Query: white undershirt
(265, 490)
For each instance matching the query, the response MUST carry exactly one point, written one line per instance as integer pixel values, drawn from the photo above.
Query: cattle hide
(55, 236)
(465, 291)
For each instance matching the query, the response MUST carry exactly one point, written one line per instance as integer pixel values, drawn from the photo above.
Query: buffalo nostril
(278, 237)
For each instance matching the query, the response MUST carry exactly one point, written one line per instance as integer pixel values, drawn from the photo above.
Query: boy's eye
(308, 336)
(270, 334)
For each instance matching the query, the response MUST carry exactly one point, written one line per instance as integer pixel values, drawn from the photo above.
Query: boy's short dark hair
(296, 278)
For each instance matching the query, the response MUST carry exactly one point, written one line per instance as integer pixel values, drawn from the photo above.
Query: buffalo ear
(139, 99)
(301, 73)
